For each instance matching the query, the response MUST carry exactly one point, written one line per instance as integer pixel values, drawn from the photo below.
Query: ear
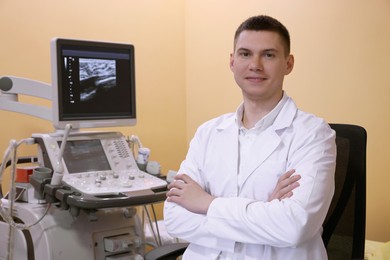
(231, 63)
(290, 64)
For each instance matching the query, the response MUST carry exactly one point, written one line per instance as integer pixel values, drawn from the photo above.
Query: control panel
(96, 163)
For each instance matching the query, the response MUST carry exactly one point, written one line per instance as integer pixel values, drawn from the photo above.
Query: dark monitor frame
(109, 112)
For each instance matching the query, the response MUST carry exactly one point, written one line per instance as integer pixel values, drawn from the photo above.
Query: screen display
(85, 156)
(95, 81)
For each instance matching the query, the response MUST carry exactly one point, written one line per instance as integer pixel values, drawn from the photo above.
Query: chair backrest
(344, 226)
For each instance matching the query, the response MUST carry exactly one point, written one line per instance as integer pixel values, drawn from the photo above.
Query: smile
(255, 79)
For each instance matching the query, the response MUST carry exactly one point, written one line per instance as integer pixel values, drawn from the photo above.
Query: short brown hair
(265, 23)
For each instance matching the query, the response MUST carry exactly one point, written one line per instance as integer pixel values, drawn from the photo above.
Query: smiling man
(257, 183)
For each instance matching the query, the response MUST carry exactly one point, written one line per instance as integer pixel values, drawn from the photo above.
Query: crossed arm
(187, 193)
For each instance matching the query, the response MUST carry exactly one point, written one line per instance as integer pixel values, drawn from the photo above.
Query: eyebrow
(243, 49)
(265, 50)
(270, 50)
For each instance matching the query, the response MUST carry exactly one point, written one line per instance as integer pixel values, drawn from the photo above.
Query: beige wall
(183, 77)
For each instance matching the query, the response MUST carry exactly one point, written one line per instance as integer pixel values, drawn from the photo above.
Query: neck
(250, 118)
(255, 111)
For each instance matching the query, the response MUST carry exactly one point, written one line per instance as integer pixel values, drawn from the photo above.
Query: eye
(244, 54)
(269, 55)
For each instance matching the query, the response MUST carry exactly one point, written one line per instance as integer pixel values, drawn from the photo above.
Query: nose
(256, 64)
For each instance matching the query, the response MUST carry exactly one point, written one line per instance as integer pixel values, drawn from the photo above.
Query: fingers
(183, 177)
(286, 176)
(293, 180)
(176, 187)
(179, 181)
(173, 195)
(287, 195)
(287, 182)
(288, 185)
(178, 184)
(286, 179)
(175, 191)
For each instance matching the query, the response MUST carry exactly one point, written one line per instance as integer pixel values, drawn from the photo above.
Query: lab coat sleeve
(288, 222)
(184, 224)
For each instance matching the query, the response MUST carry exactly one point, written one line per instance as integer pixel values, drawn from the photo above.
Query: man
(232, 198)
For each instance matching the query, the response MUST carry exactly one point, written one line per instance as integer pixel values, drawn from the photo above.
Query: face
(259, 65)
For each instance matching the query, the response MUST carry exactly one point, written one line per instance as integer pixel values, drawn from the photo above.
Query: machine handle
(87, 201)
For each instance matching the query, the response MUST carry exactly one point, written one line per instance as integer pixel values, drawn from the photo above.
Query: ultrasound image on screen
(97, 78)
(85, 156)
(96, 85)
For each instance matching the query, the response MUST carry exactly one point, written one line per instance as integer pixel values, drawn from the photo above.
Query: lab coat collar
(283, 120)
(286, 115)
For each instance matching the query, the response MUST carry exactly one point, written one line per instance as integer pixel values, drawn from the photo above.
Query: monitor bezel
(57, 44)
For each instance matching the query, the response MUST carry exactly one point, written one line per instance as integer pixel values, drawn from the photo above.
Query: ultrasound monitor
(93, 84)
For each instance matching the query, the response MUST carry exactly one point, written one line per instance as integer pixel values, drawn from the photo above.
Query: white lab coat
(240, 220)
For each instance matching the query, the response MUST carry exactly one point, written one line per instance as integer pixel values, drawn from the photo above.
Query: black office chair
(345, 223)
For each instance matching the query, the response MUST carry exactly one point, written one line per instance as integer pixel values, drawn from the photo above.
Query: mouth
(256, 79)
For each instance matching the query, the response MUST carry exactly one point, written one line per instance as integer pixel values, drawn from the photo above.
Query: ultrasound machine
(79, 198)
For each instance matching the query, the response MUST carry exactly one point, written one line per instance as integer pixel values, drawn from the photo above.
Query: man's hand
(187, 193)
(286, 183)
